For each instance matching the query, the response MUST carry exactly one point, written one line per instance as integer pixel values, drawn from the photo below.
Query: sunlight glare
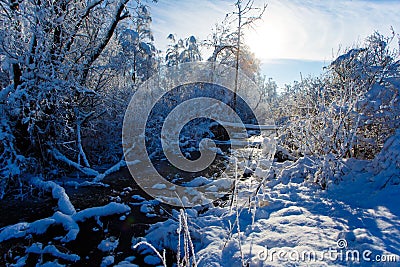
(279, 34)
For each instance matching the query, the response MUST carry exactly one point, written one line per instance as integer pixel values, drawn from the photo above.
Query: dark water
(121, 188)
(41, 205)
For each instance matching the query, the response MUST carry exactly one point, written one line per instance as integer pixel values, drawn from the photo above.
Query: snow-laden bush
(349, 111)
(386, 165)
(12, 164)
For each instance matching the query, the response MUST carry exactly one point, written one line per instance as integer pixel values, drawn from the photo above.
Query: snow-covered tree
(59, 72)
(137, 43)
(182, 50)
(227, 40)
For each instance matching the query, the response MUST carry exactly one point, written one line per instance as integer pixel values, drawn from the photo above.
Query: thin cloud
(186, 18)
(313, 30)
(291, 29)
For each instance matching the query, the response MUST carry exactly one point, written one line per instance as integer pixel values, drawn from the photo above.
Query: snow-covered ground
(292, 222)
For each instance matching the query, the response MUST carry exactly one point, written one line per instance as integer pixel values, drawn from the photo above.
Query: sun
(266, 41)
(287, 31)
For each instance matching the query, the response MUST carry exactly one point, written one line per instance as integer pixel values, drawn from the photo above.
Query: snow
(69, 225)
(14, 231)
(133, 162)
(152, 260)
(147, 208)
(69, 222)
(113, 169)
(138, 197)
(387, 161)
(248, 126)
(107, 261)
(291, 215)
(109, 209)
(198, 181)
(50, 264)
(65, 94)
(88, 171)
(83, 184)
(159, 186)
(290, 221)
(149, 248)
(37, 248)
(21, 261)
(116, 199)
(130, 258)
(22, 229)
(125, 264)
(108, 244)
(64, 204)
(59, 156)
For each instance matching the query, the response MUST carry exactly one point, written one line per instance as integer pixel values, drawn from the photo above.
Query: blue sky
(294, 35)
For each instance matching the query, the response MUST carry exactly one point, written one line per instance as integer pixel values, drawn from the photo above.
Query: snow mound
(107, 261)
(36, 248)
(108, 244)
(386, 165)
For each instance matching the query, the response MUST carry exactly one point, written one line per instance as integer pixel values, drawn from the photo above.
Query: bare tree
(227, 38)
(245, 17)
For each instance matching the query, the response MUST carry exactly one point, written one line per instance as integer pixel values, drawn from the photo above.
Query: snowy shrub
(386, 165)
(349, 111)
(11, 163)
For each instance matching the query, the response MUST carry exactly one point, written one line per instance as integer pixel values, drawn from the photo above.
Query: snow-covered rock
(107, 261)
(37, 248)
(108, 244)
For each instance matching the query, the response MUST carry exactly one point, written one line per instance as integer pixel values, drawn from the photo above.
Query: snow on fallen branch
(85, 170)
(36, 248)
(109, 209)
(69, 222)
(65, 216)
(69, 225)
(84, 184)
(58, 192)
(22, 229)
(89, 171)
(113, 169)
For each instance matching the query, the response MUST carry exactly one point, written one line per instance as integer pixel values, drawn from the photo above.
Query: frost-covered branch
(109, 171)
(85, 170)
(116, 18)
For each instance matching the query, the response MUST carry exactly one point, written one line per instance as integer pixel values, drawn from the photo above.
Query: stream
(121, 188)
